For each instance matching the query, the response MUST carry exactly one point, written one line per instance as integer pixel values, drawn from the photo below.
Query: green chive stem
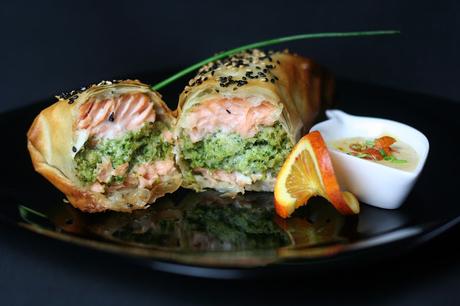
(268, 43)
(24, 211)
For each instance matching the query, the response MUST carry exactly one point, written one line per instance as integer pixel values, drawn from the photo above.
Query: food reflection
(319, 223)
(208, 222)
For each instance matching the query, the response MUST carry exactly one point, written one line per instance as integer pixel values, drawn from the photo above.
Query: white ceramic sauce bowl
(372, 183)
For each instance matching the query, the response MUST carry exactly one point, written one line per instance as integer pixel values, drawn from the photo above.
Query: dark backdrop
(48, 47)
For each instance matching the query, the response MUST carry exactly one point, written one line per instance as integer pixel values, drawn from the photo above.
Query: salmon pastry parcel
(239, 118)
(107, 147)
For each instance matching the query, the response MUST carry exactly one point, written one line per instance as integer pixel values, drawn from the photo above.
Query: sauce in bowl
(371, 178)
(384, 150)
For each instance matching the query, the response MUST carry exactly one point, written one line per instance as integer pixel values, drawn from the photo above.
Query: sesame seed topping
(72, 99)
(234, 71)
(72, 95)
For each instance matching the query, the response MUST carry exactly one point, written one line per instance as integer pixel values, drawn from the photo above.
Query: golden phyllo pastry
(107, 147)
(239, 118)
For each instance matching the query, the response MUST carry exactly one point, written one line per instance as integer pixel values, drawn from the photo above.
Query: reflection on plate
(206, 235)
(204, 222)
(206, 229)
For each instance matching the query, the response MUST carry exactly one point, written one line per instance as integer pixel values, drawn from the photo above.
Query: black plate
(205, 235)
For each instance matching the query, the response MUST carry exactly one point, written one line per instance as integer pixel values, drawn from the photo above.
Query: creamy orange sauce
(111, 118)
(228, 115)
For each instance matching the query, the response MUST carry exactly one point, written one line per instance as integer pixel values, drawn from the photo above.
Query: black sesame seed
(74, 150)
(111, 117)
(278, 62)
(229, 112)
(217, 90)
(272, 80)
(72, 99)
(265, 70)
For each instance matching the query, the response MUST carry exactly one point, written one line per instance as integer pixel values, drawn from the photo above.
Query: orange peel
(308, 172)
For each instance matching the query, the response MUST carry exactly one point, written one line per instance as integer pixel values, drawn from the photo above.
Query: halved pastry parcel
(239, 118)
(107, 147)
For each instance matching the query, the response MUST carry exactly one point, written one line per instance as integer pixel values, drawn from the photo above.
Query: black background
(49, 47)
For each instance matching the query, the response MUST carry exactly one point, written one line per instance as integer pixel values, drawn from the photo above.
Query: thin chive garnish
(394, 160)
(265, 43)
(399, 161)
(31, 216)
(24, 211)
(369, 143)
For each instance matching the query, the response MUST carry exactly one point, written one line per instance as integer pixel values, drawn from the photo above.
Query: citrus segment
(308, 172)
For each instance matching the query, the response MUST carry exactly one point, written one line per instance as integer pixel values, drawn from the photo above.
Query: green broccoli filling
(264, 153)
(142, 146)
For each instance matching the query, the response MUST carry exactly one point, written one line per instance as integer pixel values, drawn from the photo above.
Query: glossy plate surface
(206, 235)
